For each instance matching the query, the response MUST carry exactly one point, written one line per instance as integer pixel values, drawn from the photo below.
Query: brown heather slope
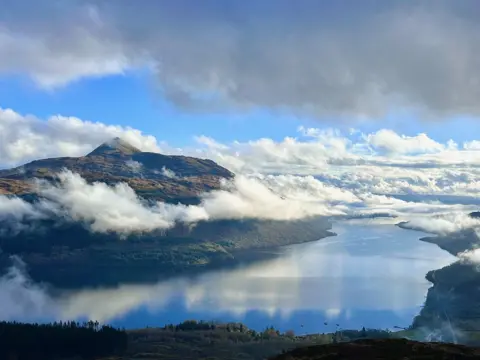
(14, 187)
(117, 161)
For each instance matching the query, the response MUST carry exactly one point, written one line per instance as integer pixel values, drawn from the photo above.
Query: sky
(242, 70)
(340, 101)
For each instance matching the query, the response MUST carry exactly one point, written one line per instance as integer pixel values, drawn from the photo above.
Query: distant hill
(475, 214)
(156, 176)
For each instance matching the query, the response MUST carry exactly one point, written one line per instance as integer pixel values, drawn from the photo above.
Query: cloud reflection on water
(367, 267)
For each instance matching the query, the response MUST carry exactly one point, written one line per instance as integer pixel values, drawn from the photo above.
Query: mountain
(160, 177)
(67, 253)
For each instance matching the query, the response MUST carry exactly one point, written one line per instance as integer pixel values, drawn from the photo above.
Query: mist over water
(372, 274)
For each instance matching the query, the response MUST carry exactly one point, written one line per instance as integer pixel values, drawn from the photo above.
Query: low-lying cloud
(103, 208)
(134, 165)
(443, 224)
(168, 173)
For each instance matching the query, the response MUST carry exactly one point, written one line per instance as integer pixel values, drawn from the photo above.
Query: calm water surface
(372, 274)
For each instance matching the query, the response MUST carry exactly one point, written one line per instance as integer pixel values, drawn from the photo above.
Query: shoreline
(241, 257)
(451, 307)
(149, 260)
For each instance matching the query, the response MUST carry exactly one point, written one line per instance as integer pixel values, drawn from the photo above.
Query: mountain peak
(116, 146)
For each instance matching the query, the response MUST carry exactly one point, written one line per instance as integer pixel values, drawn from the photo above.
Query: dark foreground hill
(192, 340)
(385, 349)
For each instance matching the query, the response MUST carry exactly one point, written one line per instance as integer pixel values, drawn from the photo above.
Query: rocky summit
(151, 175)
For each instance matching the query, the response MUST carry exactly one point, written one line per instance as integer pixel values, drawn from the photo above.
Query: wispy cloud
(168, 173)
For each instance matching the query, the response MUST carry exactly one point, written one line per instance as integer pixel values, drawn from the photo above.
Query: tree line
(19, 341)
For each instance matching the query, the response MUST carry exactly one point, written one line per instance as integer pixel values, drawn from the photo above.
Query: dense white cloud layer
(104, 208)
(302, 56)
(319, 172)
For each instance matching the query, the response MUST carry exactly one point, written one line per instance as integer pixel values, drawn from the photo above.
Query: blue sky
(132, 99)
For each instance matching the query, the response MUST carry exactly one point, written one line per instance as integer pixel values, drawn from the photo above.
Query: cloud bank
(305, 57)
(103, 208)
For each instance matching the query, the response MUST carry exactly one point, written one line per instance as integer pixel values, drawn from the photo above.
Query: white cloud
(134, 165)
(471, 256)
(103, 208)
(168, 173)
(248, 197)
(392, 143)
(472, 145)
(443, 224)
(333, 313)
(335, 174)
(24, 138)
(17, 215)
(336, 159)
(304, 57)
(211, 143)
